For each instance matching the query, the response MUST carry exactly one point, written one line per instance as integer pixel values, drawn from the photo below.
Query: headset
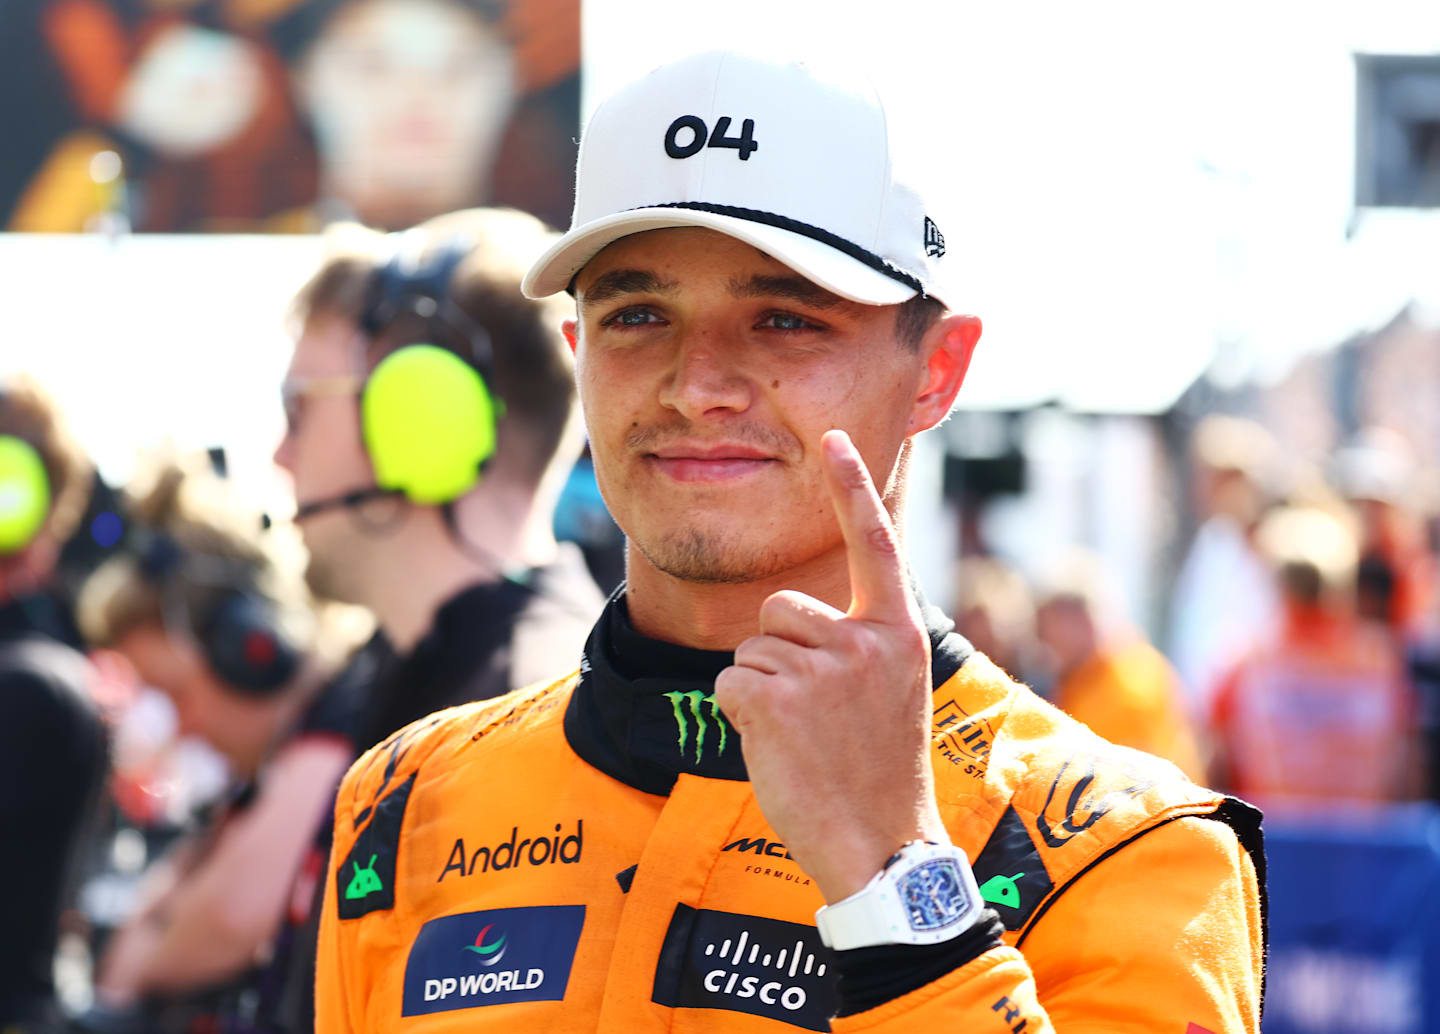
(427, 416)
(241, 634)
(24, 493)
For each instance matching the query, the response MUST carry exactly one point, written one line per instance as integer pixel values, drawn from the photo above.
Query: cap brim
(818, 262)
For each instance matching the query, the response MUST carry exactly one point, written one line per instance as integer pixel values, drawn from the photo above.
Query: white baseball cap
(791, 159)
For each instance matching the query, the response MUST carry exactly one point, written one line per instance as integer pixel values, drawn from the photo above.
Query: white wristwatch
(925, 894)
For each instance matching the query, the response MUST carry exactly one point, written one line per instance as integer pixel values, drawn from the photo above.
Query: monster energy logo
(687, 706)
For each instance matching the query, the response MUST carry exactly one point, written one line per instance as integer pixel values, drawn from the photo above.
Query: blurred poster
(280, 116)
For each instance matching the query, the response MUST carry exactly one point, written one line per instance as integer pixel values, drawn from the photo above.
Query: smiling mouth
(708, 469)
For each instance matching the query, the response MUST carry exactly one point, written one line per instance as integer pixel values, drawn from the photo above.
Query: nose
(705, 377)
(284, 456)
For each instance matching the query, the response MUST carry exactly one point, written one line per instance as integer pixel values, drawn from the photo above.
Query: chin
(324, 580)
(703, 558)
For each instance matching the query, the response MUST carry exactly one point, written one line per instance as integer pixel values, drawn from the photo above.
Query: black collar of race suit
(644, 709)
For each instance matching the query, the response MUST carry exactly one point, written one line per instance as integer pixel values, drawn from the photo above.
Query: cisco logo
(791, 997)
(750, 964)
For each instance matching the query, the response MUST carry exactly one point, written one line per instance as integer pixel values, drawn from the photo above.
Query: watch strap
(876, 914)
(863, 918)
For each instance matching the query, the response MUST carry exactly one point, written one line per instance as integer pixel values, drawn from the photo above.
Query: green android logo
(1001, 890)
(693, 700)
(365, 882)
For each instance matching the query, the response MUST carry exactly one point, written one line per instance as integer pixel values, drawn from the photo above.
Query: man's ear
(948, 347)
(571, 331)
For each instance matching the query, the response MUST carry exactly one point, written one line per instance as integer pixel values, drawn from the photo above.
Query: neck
(384, 209)
(289, 705)
(1303, 617)
(711, 616)
(501, 530)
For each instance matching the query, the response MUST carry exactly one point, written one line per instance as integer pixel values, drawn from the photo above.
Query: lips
(709, 462)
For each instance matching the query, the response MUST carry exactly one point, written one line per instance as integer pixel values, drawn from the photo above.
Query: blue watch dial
(934, 894)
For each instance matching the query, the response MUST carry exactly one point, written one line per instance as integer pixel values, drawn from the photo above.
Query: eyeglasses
(296, 390)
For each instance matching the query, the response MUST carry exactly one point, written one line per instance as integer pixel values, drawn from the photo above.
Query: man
(767, 720)
(469, 585)
(1224, 596)
(206, 610)
(409, 100)
(52, 744)
(465, 578)
(1109, 677)
(1324, 685)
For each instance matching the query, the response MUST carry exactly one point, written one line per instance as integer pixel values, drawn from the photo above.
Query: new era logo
(934, 239)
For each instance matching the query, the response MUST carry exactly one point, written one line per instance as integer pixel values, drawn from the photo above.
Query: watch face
(934, 894)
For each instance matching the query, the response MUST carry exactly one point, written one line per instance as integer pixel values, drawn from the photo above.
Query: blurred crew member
(52, 743)
(1318, 711)
(777, 788)
(1224, 595)
(994, 611)
(206, 613)
(1395, 574)
(430, 427)
(1113, 681)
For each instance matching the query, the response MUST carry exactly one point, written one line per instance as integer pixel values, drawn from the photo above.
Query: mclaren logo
(758, 845)
(768, 849)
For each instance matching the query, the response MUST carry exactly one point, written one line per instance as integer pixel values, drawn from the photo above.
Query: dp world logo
(697, 710)
(519, 955)
(490, 953)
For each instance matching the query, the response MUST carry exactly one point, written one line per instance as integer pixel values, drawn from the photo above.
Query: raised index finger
(878, 590)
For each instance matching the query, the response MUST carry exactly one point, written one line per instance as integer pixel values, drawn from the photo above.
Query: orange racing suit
(588, 856)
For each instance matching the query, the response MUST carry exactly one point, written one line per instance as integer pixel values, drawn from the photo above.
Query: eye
(787, 321)
(634, 317)
(293, 411)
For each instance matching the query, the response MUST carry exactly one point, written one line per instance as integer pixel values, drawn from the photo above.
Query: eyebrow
(793, 288)
(618, 282)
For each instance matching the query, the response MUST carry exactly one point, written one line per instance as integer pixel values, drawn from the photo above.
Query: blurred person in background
(993, 610)
(430, 426)
(1394, 576)
(1318, 711)
(1422, 654)
(52, 741)
(1111, 678)
(207, 611)
(1223, 595)
(409, 100)
(1423, 668)
(156, 116)
(285, 115)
